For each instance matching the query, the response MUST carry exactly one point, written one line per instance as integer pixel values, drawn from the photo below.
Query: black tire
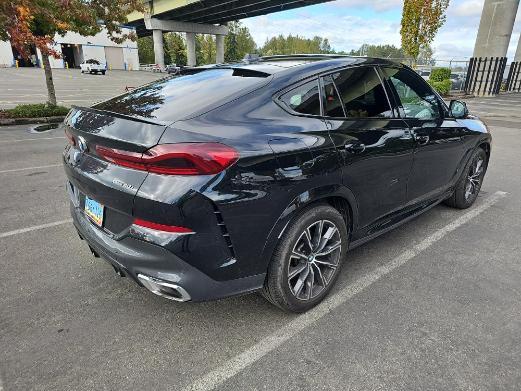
(102, 72)
(469, 185)
(304, 291)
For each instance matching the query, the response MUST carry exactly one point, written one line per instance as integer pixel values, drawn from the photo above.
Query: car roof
(303, 64)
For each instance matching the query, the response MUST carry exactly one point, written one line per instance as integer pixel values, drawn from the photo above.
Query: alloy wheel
(314, 259)
(474, 177)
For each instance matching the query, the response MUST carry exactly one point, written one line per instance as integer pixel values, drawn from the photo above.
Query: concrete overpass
(202, 17)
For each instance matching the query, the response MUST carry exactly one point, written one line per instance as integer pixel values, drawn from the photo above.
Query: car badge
(82, 144)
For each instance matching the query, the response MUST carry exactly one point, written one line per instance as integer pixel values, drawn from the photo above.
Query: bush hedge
(442, 87)
(440, 74)
(34, 111)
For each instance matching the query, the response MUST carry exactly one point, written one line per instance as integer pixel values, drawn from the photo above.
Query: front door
(439, 140)
(374, 146)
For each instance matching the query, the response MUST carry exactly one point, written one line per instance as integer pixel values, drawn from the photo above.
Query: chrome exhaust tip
(163, 288)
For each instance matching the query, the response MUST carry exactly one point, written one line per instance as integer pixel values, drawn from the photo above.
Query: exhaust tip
(163, 288)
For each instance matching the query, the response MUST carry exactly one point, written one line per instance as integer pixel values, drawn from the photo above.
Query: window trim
(322, 75)
(323, 96)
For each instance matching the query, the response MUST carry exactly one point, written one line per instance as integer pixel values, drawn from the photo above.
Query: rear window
(175, 98)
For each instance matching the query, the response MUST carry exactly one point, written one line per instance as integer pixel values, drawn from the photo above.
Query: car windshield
(170, 99)
(93, 62)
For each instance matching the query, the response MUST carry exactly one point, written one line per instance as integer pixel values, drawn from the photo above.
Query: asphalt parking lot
(432, 305)
(27, 85)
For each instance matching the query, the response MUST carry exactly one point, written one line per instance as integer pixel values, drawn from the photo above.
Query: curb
(26, 121)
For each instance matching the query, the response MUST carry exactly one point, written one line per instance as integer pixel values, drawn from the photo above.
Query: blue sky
(350, 23)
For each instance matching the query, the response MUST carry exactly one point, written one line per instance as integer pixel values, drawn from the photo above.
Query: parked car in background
(156, 68)
(425, 74)
(457, 80)
(261, 176)
(92, 66)
(172, 69)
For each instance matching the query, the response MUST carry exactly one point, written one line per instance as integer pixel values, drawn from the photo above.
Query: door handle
(355, 147)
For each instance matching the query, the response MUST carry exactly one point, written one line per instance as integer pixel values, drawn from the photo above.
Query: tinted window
(171, 99)
(93, 62)
(304, 99)
(362, 93)
(416, 97)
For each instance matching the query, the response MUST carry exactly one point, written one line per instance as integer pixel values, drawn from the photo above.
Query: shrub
(440, 74)
(36, 110)
(442, 87)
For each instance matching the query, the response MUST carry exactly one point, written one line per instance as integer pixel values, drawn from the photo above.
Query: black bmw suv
(260, 176)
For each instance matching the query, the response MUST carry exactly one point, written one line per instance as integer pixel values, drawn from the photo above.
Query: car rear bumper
(156, 268)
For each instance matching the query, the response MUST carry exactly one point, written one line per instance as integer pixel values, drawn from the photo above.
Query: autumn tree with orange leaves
(36, 22)
(421, 20)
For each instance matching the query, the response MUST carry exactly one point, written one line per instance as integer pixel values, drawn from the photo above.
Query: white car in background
(425, 74)
(92, 66)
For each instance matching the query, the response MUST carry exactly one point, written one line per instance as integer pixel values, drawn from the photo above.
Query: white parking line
(34, 228)
(29, 139)
(243, 360)
(30, 168)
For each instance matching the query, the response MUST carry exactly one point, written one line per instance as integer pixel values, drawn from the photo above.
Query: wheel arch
(485, 145)
(338, 196)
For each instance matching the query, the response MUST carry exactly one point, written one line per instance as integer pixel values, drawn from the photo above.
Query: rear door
(438, 138)
(375, 146)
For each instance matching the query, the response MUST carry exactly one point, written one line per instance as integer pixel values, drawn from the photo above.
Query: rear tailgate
(111, 185)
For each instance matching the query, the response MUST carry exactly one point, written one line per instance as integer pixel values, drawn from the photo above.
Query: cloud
(467, 8)
(350, 23)
(346, 33)
(380, 5)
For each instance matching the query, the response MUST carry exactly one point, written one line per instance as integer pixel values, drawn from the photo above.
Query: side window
(361, 92)
(416, 97)
(304, 99)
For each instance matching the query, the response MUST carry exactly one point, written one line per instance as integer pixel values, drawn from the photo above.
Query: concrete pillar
(190, 48)
(219, 43)
(495, 28)
(159, 53)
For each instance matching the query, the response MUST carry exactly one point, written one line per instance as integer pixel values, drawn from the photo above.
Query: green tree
(145, 48)
(382, 51)
(295, 44)
(205, 49)
(36, 22)
(175, 49)
(421, 20)
(238, 42)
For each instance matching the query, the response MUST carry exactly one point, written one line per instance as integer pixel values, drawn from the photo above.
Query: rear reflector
(162, 227)
(175, 159)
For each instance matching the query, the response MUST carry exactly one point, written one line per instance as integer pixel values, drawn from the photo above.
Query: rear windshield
(172, 99)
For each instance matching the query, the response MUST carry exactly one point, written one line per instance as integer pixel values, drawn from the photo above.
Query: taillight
(175, 159)
(162, 227)
(160, 234)
(70, 137)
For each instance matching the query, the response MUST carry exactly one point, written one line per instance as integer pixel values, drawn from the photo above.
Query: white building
(75, 48)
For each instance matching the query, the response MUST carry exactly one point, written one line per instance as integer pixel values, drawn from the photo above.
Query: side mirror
(458, 109)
